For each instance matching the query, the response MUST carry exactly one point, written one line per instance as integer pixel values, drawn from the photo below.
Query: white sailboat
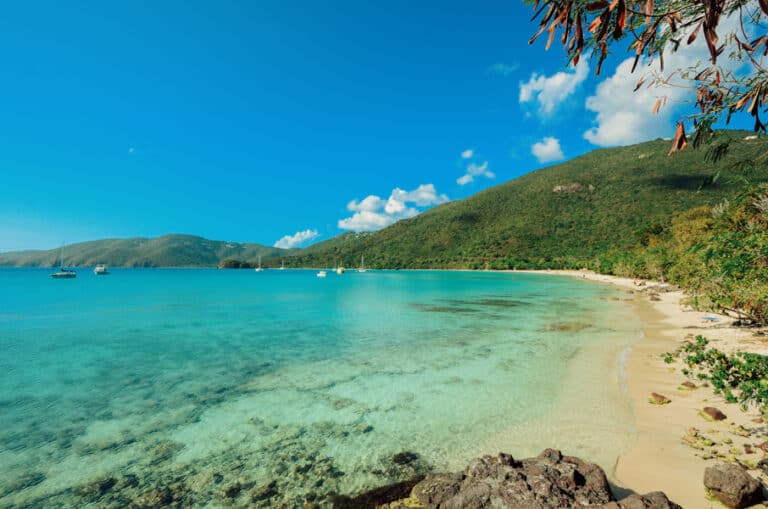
(259, 269)
(63, 272)
(282, 264)
(362, 264)
(339, 269)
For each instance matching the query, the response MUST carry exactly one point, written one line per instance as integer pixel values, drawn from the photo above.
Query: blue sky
(282, 122)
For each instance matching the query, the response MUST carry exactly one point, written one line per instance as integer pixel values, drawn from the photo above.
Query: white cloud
(475, 170)
(623, 117)
(296, 239)
(550, 91)
(503, 69)
(374, 213)
(464, 179)
(547, 150)
(467, 154)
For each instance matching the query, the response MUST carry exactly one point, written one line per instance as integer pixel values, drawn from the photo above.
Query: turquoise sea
(232, 388)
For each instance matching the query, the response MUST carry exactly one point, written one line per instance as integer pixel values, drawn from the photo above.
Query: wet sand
(659, 459)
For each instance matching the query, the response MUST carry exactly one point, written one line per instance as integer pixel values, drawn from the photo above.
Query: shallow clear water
(202, 380)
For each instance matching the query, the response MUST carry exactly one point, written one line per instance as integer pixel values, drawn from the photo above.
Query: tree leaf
(680, 141)
(656, 105)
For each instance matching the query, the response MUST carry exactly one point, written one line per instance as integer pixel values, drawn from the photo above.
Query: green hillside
(565, 215)
(165, 251)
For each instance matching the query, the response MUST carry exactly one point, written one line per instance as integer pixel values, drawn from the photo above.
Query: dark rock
(265, 491)
(156, 497)
(127, 481)
(713, 414)
(95, 489)
(376, 497)
(763, 465)
(232, 490)
(403, 458)
(548, 480)
(658, 399)
(687, 386)
(732, 485)
(654, 500)
(438, 488)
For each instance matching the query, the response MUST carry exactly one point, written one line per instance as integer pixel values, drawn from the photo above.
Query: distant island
(166, 251)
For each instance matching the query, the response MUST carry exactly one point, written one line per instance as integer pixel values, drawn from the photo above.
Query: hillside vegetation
(573, 214)
(718, 254)
(165, 251)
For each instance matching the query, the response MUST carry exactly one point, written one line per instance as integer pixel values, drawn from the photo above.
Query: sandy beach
(660, 459)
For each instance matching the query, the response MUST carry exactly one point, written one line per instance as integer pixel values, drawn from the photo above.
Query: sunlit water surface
(229, 388)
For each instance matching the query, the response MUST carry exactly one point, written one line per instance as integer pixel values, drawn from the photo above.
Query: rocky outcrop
(732, 485)
(548, 480)
(713, 414)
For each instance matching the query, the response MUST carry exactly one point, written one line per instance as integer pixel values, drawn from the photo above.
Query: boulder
(712, 414)
(732, 485)
(548, 480)
(658, 399)
(654, 500)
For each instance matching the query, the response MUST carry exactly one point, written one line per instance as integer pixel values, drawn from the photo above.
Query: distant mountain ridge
(173, 250)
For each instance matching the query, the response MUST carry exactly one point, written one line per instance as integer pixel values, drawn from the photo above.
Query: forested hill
(165, 251)
(569, 214)
(573, 214)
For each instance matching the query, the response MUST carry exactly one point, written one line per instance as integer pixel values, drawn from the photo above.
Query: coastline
(659, 460)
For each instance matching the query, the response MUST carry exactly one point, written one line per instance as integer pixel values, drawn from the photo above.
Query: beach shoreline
(659, 460)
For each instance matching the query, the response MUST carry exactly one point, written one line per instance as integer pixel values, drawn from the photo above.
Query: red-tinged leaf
(637, 59)
(711, 37)
(693, 35)
(579, 37)
(746, 46)
(595, 23)
(596, 6)
(703, 74)
(551, 36)
(603, 26)
(648, 10)
(741, 102)
(656, 106)
(759, 126)
(621, 20)
(537, 34)
(613, 5)
(755, 102)
(603, 54)
(639, 84)
(680, 141)
(717, 78)
(672, 23)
